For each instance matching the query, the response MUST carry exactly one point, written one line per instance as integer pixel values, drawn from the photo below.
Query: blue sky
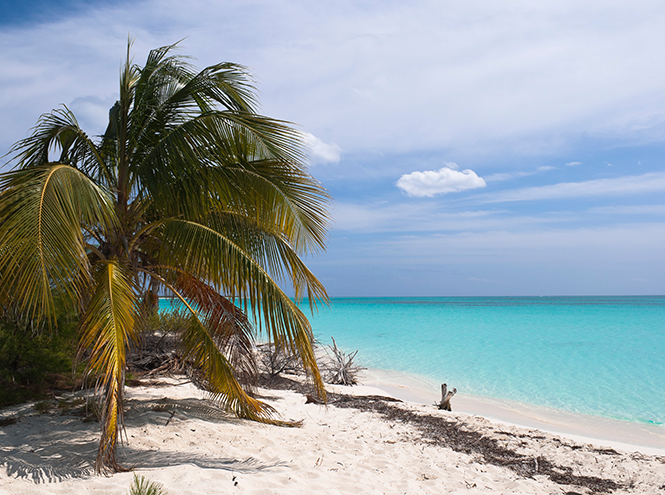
(472, 148)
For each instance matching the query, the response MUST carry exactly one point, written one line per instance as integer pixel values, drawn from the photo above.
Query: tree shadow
(50, 448)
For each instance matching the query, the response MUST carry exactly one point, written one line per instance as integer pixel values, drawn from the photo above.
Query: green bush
(164, 322)
(32, 362)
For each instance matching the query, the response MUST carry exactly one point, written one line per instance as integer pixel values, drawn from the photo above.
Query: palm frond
(107, 328)
(205, 164)
(200, 344)
(209, 255)
(59, 131)
(228, 326)
(41, 242)
(271, 249)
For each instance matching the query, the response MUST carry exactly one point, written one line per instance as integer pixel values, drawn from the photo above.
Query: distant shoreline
(626, 435)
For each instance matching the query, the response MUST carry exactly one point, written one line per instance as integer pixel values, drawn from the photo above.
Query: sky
(480, 148)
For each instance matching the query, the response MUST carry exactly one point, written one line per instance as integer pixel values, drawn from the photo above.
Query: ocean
(601, 356)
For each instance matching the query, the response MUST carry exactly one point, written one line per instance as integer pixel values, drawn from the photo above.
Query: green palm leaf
(209, 255)
(43, 209)
(107, 328)
(269, 246)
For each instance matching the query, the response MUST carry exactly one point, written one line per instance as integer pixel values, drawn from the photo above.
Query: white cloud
(499, 177)
(591, 261)
(420, 216)
(573, 164)
(322, 152)
(384, 217)
(445, 180)
(618, 186)
(616, 244)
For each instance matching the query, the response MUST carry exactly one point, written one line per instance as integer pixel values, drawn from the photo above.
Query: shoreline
(624, 435)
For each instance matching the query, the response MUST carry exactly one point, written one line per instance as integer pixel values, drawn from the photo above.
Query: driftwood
(155, 355)
(313, 399)
(446, 395)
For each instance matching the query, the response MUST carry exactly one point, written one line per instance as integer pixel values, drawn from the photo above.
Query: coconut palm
(190, 192)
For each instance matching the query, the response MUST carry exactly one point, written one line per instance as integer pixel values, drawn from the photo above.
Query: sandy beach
(359, 443)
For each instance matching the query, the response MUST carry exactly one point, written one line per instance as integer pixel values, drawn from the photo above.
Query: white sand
(336, 450)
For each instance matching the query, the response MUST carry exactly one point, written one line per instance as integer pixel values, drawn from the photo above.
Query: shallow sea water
(603, 356)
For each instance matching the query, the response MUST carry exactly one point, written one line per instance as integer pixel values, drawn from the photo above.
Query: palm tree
(190, 192)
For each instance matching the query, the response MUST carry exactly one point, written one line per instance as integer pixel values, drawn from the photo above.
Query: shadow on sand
(51, 447)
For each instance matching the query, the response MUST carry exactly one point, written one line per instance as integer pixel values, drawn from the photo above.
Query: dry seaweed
(279, 382)
(452, 434)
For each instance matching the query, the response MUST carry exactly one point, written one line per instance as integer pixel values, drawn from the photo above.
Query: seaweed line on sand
(450, 433)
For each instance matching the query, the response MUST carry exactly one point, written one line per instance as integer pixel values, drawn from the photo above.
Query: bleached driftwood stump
(446, 395)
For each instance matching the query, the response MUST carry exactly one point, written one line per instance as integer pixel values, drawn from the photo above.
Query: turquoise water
(603, 356)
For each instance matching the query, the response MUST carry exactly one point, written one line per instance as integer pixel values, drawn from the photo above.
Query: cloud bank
(617, 186)
(442, 181)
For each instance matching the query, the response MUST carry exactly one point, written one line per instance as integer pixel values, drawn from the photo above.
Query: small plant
(341, 369)
(142, 486)
(43, 406)
(68, 405)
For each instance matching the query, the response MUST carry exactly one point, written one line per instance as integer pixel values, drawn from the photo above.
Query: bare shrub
(274, 360)
(341, 369)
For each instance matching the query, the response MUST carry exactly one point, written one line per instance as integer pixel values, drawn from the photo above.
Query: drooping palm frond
(209, 255)
(267, 245)
(201, 342)
(228, 326)
(43, 209)
(107, 328)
